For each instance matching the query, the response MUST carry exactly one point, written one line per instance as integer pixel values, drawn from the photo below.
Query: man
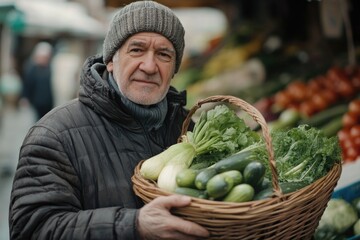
(73, 179)
(38, 80)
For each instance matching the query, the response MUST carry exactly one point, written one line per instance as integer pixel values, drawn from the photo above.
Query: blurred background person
(37, 79)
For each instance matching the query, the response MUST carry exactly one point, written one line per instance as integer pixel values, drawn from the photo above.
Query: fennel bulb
(177, 163)
(151, 168)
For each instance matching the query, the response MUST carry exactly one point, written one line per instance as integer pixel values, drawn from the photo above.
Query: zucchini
(330, 129)
(236, 176)
(240, 193)
(203, 177)
(191, 192)
(325, 116)
(286, 187)
(219, 185)
(237, 161)
(186, 178)
(254, 173)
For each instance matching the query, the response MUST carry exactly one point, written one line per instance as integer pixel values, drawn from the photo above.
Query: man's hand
(156, 222)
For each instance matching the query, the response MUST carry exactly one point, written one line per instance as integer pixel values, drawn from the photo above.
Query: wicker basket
(284, 216)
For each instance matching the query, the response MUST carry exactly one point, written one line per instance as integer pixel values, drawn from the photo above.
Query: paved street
(14, 125)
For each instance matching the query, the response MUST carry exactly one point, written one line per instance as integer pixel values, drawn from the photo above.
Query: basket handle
(256, 115)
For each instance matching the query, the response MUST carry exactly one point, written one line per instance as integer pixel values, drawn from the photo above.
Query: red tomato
(336, 74)
(343, 134)
(297, 90)
(307, 108)
(319, 102)
(355, 131)
(351, 153)
(347, 143)
(349, 119)
(345, 89)
(355, 81)
(314, 86)
(354, 106)
(329, 95)
(357, 142)
(282, 98)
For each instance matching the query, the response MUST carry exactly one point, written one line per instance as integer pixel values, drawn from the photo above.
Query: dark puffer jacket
(73, 177)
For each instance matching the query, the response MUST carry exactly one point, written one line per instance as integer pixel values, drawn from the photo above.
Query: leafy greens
(219, 133)
(302, 154)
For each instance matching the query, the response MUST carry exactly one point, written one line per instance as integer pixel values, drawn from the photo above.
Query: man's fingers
(190, 228)
(172, 201)
(156, 219)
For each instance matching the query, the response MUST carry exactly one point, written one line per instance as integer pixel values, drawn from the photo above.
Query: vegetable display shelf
(348, 186)
(349, 193)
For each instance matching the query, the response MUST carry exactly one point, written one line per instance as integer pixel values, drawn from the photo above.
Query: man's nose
(148, 64)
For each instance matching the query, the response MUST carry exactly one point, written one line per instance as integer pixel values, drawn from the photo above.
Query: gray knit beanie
(144, 16)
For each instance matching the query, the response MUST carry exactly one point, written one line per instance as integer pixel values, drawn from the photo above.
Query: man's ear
(110, 66)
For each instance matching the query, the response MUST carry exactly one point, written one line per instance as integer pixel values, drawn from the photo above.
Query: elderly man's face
(143, 67)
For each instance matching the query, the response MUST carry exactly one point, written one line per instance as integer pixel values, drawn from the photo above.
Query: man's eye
(165, 56)
(135, 50)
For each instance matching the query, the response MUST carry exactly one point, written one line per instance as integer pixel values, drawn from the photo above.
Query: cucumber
(219, 185)
(286, 187)
(236, 161)
(236, 176)
(203, 177)
(331, 128)
(191, 192)
(254, 173)
(240, 193)
(186, 178)
(325, 116)
(264, 184)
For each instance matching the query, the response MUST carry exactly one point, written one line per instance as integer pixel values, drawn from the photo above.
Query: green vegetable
(240, 160)
(167, 176)
(254, 173)
(333, 127)
(287, 119)
(151, 168)
(264, 184)
(186, 178)
(203, 177)
(219, 185)
(338, 215)
(286, 187)
(356, 203)
(304, 154)
(327, 233)
(218, 131)
(357, 228)
(236, 176)
(240, 193)
(325, 116)
(191, 192)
